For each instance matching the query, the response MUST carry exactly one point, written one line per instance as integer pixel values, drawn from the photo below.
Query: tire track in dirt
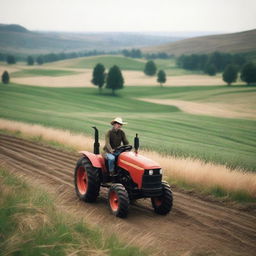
(194, 225)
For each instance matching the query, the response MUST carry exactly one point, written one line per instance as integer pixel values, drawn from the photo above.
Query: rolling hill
(16, 39)
(242, 42)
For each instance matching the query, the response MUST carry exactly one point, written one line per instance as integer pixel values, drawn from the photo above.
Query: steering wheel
(123, 148)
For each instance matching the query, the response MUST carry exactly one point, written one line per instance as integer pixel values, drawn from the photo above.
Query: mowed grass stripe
(187, 141)
(161, 128)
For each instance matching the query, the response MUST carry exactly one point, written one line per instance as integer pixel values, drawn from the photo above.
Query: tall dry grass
(65, 137)
(191, 171)
(204, 174)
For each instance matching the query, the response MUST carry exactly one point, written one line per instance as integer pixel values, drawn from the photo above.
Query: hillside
(231, 43)
(13, 27)
(16, 39)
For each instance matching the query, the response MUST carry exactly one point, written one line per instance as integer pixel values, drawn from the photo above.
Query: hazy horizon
(144, 16)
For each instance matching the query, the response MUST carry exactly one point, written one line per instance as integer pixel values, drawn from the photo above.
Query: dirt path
(194, 227)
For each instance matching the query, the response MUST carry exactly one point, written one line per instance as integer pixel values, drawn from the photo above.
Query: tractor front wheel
(118, 200)
(86, 178)
(163, 204)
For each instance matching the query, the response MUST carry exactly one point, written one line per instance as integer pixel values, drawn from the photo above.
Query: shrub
(10, 59)
(230, 74)
(40, 60)
(210, 70)
(5, 77)
(98, 75)
(30, 61)
(161, 77)
(150, 68)
(115, 79)
(248, 73)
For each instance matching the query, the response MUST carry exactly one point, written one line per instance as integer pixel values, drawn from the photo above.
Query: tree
(5, 77)
(230, 74)
(30, 61)
(115, 79)
(150, 68)
(210, 69)
(133, 53)
(2, 57)
(10, 59)
(98, 76)
(40, 60)
(161, 77)
(219, 60)
(248, 73)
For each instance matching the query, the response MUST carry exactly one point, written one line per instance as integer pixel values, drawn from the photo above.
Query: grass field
(162, 128)
(78, 73)
(124, 63)
(32, 224)
(171, 69)
(108, 61)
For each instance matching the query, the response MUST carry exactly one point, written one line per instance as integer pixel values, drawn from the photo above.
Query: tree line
(137, 53)
(210, 63)
(229, 64)
(49, 57)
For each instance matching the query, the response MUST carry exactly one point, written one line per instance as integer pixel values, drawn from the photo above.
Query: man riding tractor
(127, 175)
(113, 139)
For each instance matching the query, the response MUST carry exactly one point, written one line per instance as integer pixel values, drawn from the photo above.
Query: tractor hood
(136, 161)
(136, 165)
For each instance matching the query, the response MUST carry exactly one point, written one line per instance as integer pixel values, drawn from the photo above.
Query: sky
(130, 15)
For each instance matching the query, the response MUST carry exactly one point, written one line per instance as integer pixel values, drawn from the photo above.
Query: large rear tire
(163, 204)
(118, 200)
(87, 182)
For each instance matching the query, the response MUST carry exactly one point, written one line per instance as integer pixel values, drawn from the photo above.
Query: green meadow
(124, 63)
(108, 61)
(162, 128)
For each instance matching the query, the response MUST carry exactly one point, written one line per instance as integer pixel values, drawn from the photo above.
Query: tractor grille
(152, 181)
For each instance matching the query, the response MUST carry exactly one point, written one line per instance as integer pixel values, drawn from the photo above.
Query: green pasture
(171, 69)
(162, 128)
(124, 63)
(213, 94)
(42, 72)
(108, 61)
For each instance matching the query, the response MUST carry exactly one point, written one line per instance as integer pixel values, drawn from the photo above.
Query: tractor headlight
(150, 172)
(161, 171)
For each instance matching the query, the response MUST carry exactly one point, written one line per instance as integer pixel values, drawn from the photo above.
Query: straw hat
(118, 120)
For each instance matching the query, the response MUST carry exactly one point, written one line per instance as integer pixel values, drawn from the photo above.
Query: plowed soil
(194, 227)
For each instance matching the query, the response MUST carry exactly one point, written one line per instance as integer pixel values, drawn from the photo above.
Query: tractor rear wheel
(87, 182)
(118, 200)
(163, 204)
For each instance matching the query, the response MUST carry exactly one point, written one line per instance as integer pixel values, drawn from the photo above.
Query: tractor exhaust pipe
(96, 145)
(136, 143)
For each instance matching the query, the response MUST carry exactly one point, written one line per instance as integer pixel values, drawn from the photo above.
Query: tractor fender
(93, 158)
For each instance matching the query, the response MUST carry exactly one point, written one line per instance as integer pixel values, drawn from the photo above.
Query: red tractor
(136, 177)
